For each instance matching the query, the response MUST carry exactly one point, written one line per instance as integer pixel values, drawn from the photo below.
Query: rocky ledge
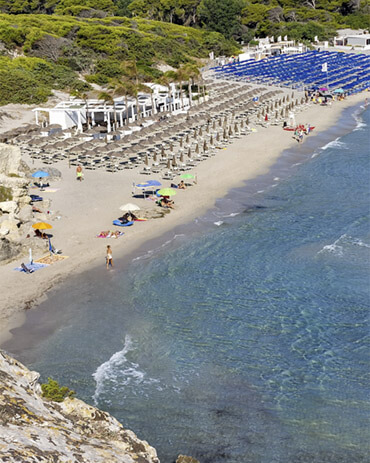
(35, 429)
(16, 212)
(15, 208)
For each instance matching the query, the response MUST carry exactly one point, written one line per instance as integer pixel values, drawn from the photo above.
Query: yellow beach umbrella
(41, 226)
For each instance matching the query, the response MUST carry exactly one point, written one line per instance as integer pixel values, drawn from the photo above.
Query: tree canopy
(70, 44)
(240, 19)
(59, 50)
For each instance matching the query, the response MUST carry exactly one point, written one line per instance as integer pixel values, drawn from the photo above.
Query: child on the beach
(79, 173)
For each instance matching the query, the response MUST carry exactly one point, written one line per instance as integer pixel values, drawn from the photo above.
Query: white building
(267, 48)
(352, 38)
(362, 41)
(83, 113)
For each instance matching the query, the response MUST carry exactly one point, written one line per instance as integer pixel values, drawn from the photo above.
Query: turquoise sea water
(245, 337)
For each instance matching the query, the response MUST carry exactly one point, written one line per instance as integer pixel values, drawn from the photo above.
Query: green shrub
(28, 80)
(5, 194)
(52, 391)
(55, 48)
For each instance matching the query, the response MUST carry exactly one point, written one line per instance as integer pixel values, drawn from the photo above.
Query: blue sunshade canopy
(40, 174)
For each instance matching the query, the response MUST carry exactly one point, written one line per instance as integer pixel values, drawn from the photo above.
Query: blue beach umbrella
(40, 174)
(153, 183)
(338, 90)
(149, 183)
(143, 185)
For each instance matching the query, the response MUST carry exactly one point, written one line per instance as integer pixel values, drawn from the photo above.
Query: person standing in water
(109, 257)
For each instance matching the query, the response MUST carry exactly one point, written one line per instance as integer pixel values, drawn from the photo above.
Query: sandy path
(85, 208)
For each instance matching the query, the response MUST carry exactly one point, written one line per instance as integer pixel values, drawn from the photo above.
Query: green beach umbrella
(185, 176)
(166, 192)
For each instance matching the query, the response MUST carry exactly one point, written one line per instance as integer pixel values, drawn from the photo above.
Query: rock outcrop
(10, 158)
(14, 201)
(186, 459)
(16, 215)
(35, 429)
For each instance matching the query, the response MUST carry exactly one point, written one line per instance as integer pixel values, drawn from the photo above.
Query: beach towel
(51, 190)
(51, 259)
(32, 267)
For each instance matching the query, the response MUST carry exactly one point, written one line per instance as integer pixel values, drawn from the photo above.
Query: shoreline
(251, 157)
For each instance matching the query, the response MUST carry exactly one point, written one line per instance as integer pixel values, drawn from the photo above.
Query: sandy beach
(80, 210)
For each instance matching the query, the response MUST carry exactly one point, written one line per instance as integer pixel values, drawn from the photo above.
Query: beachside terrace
(118, 112)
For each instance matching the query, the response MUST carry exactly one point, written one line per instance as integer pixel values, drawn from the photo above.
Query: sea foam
(360, 125)
(118, 372)
(337, 248)
(335, 144)
(151, 252)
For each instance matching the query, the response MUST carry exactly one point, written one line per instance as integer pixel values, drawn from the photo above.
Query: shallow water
(245, 338)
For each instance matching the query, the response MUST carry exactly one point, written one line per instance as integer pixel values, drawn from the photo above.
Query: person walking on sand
(109, 257)
(79, 173)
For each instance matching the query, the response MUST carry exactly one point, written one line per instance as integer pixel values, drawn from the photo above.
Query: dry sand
(88, 207)
(16, 115)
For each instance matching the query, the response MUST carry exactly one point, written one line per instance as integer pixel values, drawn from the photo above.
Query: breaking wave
(337, 248)
(119, 372)
(335, 144)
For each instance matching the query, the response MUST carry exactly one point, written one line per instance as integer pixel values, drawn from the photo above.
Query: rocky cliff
(15, 208)
(16, 212)
(33, 429)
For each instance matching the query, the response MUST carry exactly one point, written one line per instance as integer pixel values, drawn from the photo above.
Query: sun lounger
(168, 175)
(26, 269)
(53, 250)
(35, 198)
(41, 185)
(146, 171)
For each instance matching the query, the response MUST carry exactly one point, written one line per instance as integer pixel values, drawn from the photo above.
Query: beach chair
(35, 198)
(53, 250)
(26, 269)
(146, 170)
(168, 175)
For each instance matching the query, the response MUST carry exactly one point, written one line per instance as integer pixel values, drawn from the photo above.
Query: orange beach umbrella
(41, 226)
